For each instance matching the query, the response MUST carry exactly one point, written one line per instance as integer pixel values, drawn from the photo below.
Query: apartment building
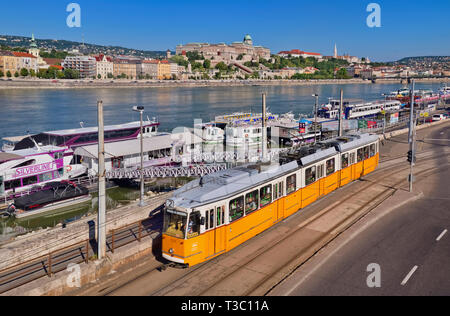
(8, 62)
(27, 61)
(126, 67)
(157, 69)
(105, 66)
(85, 65)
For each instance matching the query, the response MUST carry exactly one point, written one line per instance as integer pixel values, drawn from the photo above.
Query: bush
(24, 72)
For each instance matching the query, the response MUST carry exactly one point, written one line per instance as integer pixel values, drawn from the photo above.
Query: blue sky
(409, 27)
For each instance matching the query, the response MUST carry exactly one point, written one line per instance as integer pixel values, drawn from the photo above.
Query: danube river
(24, 111)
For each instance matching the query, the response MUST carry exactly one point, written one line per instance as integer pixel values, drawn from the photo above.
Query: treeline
(51, 73)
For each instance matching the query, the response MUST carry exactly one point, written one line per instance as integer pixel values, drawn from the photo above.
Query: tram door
(278, 194)
(220, 236)
(215, 231)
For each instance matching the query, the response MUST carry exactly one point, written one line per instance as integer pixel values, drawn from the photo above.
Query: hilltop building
(237, 51)
(298, 53)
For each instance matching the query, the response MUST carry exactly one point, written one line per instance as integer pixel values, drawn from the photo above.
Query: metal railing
(44, 266)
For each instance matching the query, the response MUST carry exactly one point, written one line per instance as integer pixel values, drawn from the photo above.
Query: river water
(24, 111)
(34, 111)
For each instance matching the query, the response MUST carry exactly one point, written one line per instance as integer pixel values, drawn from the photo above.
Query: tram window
(251, 202)
(211, 219)
(193, 229)
(366, 152)
(345, 162)
(352, 158)
(206, 220)
(29, 180)
(310, 175)
(220, 216)
(275, 192)
(266, 195)
(330, 167)
(372, 150)
(175, 223)
(320, 172)
(280, 190)
(236, 209)
(291, 184)
(360, 154)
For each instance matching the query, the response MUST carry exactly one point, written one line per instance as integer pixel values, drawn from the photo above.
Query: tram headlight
(171, 251)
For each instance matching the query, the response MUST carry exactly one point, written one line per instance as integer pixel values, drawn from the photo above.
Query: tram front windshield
(175, 223)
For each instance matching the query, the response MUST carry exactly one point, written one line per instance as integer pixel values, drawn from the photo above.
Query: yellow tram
(212, 215)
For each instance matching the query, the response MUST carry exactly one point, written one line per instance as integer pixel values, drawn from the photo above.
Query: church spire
(335, 51)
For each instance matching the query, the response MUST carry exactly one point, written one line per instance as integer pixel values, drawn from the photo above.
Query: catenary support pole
(101, 222)
(412, 124)
(341, 109)
(264, 128)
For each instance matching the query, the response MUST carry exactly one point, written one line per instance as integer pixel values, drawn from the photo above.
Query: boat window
(291, 184)
(45, 177)
(310, 175)
(251, 202)
(25, 164)
(175, 223)
(372, 150)
(220, 215)
(360, 154)
(345, 162)
(58, 155)
(330, 167)
(266, 195)
(9, 185)
(236, 209)
(61, 172)
(30, 180)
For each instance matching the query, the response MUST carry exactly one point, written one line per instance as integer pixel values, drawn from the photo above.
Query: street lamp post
(141, 109)
(315, 117)
(384, 114)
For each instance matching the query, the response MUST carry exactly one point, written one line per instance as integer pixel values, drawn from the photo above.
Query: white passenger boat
(358, 110)
(26, 169)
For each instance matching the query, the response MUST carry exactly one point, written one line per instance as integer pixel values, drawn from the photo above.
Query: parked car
(438, 117)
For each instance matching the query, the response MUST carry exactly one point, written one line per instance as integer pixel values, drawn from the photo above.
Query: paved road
(411, 244)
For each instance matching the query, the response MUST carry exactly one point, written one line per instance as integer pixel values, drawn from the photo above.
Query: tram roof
(227, 183)
(351, 141)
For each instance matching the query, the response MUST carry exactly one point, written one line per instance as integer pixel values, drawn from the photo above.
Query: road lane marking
(409, 275)
(441, 235)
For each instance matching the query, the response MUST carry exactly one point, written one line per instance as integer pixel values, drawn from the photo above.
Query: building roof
(132, 147)
(6, 53)
(21, 54)
(53, 61)
(87, 130)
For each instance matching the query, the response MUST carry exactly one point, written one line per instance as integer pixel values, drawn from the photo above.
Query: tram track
(357, 215)
(186, 275)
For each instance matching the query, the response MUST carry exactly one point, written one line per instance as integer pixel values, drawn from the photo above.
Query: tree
(222, 66)
(99, 76)
(240, 57)
(207, 64)
(2, 74)
(110, 76)
(32, 73)
(24, 72)
(8, 74)
(16, 74)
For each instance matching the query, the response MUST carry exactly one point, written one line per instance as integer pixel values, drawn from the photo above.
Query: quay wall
(83, 84)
